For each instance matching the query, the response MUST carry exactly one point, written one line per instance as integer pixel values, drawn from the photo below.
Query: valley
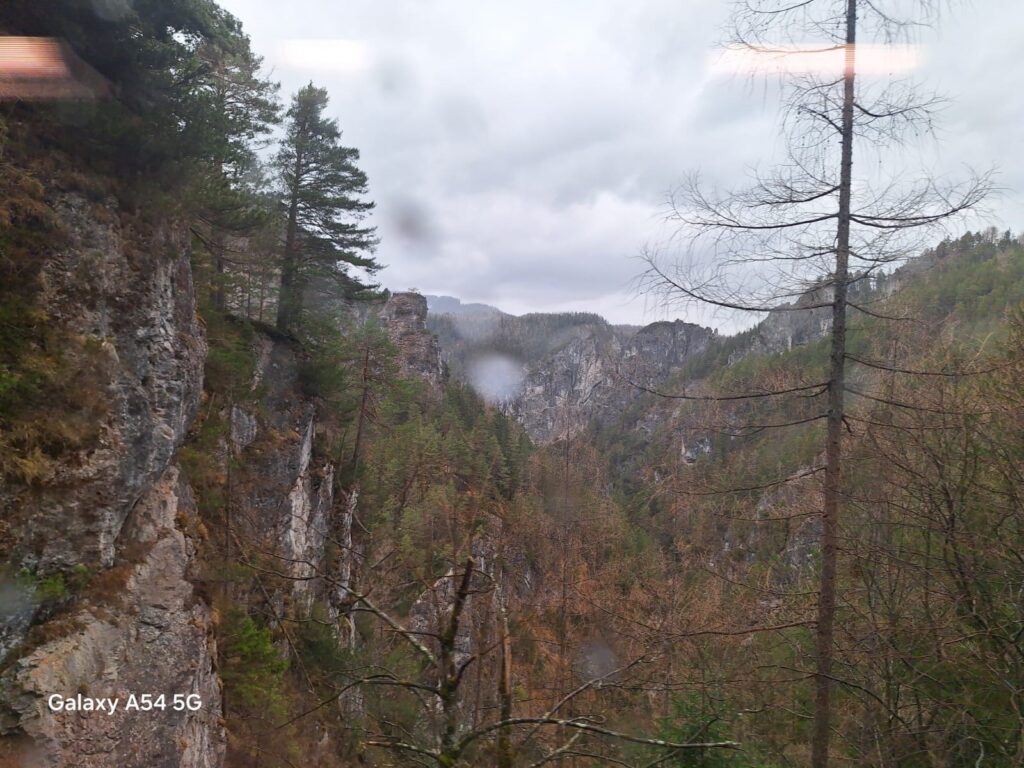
(258, 509)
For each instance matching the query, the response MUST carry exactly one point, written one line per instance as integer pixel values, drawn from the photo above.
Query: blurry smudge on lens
(595, 661)
(496, 378)
(412, 221)
(395, 77)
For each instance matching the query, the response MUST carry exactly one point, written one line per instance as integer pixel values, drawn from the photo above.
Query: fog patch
(478, 329)
(496, 378)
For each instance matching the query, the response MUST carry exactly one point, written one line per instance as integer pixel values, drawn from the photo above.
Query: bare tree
(811, 229)
(439, 691)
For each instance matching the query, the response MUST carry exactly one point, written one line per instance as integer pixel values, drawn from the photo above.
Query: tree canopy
(323, 191)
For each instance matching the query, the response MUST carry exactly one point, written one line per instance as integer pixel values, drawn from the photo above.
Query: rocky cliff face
(129, 291)
(124, 519)
(114, 519)
(659, 349)
(141, 631)
(573, 369)
(597, 373)
(794, 324)
(119, 528)
(405, 318)
(281, 493)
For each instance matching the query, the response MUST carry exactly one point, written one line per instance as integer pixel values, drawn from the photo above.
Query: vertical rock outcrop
(112, 519)
(658, 349)
(140, 629)
(128, 289)
(582, 369)
(562, 393)
(571, 369)
(281, 491)
(793, 325)
(405, 318)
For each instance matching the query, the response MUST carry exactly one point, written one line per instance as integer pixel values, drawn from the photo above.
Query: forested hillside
(238, 476)
(722, 495)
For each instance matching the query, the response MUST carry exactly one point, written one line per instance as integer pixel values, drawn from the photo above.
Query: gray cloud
(520, 153)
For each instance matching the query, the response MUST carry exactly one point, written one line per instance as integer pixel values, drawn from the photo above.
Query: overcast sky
(520, 153)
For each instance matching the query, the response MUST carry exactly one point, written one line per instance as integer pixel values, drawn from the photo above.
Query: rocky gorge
(114, 529)
(211, 453)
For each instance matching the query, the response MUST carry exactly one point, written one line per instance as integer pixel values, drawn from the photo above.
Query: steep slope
(114, 584)
(559, 373)
(98, 561)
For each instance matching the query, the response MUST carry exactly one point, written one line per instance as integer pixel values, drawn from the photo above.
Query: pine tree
(238, 106)
(323, 190)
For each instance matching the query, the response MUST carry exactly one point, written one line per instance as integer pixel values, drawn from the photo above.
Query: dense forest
(233, 466)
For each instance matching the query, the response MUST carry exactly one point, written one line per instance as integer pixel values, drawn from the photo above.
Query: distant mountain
(559, 373)
(556, 372)
(449, 305)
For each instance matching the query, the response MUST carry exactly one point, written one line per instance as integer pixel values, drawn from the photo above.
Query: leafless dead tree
(812, 228)
(439, 693)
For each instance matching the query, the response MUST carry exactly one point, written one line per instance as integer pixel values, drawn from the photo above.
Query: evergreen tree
(323, 189)
(238, 107)
(146, 50)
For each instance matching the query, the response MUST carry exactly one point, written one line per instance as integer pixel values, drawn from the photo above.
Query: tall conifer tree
(238, 107)
(323, 197)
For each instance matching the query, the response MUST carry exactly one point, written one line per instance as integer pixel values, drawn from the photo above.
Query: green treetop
(323, 197)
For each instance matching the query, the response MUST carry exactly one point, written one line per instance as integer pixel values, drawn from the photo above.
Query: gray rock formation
(575, 368)
(659, 349)
(115, 515)
(146, 633)
(283, 491)
(130, 291)
(405, 318)
(795, 324)
(562, 392)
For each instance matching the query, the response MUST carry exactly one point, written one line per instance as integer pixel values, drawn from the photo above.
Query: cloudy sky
(520, 153)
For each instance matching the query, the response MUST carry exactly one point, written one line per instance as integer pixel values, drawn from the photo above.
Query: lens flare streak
(42, 68)
(815, 59)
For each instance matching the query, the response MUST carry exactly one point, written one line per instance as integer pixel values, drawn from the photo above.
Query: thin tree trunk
(450, 673)
(263, 293)
(363, 405)
(505, 752)
(219, 291)
(287, 299)
(833, 448)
